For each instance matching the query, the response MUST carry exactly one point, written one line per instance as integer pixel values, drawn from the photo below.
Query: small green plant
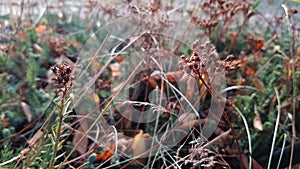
(7, 152)
(63, 83)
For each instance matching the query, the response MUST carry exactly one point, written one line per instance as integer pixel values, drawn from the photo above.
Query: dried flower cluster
(141, 9)
(216, 10)
(230, 64)
(201, 156)
(202, 57)
(63, 78)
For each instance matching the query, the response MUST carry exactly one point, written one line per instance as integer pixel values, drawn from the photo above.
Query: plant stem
(294, 102)
(58, 132)
(276, 128)
(225, 116)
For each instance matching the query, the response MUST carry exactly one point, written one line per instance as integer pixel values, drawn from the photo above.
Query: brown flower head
(63, 78)
(202, 56)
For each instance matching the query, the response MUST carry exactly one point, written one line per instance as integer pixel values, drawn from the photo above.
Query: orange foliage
(40, 28)
(106, 153)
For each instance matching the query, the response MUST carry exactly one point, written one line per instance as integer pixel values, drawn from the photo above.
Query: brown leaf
(256, 165)
(223, 137)
(250, 71)
(258, 84)
(38, 48)
(245, 161)
(78, 134)
(26, 110)
(22, 35)
(190, 88)
(176, 74)
(257, 121)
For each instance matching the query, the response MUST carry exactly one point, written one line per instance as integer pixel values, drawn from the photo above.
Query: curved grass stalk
(282, 149)
(238, 87)
(276, 128)
(248, 135)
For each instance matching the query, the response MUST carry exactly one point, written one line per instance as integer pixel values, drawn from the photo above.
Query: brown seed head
(63, 78)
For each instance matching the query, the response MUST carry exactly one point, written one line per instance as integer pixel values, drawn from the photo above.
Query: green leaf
(60, 145)
(255, 6)
(5, 17)
(6, 132)
(57, 126)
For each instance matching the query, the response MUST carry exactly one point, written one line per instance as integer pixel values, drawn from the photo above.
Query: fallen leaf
(257, 121)
(177, 74)
(79, 44)
(259, 45)
(22, 35)
(223, 138)
(139, 147)
(40, 28)
(78, 134)
(37, 48)
(96, 98)
(107, 153)
(119, 59)
(256, 165)
(250, 71)
(190, 88)
(96, 64)
(245, 161)
(115, 69)
(243, 63)
(258, 84)
(26, 110)
(137, 144)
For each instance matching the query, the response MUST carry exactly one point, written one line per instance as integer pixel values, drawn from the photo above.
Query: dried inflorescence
(230, 64)
(216, 10)
(200, 155)
(141, 9)
(202, 56)
(205, 57)
(63, 78)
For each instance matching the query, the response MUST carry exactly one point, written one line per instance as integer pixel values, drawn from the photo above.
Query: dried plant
(199, 59)
(202, 156)
(230, 64)
(63, 78)
(203, 56)
(63, 83)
